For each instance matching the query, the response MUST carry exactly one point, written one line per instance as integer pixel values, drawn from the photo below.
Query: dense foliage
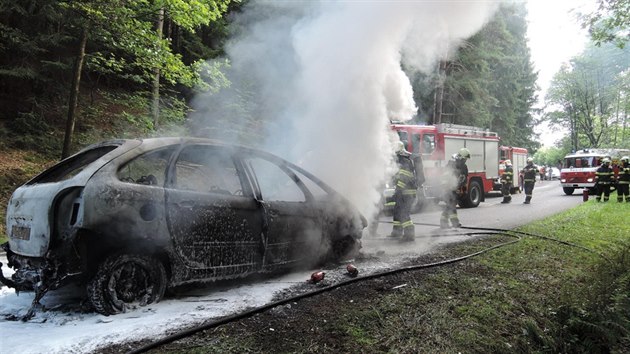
(610, 23)
(136, 60)
(52, 47)
(490, 82)
(590, 97)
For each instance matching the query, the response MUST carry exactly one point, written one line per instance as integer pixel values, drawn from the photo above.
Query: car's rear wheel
(126, 281)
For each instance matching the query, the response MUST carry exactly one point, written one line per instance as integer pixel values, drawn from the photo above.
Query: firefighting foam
(317, 82)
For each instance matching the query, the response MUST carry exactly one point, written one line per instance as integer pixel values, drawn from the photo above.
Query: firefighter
(604, 176)
(623, 180)
(506, 182)
(404, 194)
(529, 179)
(454, 182)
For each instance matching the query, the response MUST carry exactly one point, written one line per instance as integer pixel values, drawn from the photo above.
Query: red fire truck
(578, 168)
(518, 157)
(435, 145)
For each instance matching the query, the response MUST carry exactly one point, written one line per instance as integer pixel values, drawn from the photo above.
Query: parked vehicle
(578, 168)
(555, 173)
(130, 218)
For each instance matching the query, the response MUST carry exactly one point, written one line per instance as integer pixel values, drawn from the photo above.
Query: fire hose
(246, 314)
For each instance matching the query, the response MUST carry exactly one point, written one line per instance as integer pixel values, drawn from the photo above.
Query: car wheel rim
(129, 284)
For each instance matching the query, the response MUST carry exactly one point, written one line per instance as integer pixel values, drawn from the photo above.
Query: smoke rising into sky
(326, 77)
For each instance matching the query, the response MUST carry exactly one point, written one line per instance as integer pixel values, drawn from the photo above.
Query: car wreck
(128, 219)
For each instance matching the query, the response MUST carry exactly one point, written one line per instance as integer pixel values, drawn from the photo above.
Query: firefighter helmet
(530, 160)
(625, 159)
(464, 153)
(400, 146)
(606, 160)
(508, 163)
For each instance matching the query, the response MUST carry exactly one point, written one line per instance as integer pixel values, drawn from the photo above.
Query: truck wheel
(568, 190)
(473, 197)
(125, 281)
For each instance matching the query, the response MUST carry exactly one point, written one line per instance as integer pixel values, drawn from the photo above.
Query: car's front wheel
(568, 190)
(125, 281)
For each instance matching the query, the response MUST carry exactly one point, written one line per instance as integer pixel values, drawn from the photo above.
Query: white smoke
(328, 78)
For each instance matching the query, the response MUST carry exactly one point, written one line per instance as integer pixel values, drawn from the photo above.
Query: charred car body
(130, 218)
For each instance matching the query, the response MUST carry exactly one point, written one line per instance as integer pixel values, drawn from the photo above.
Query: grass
(536, 296)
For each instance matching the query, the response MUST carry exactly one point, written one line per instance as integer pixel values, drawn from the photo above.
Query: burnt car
(128, 219)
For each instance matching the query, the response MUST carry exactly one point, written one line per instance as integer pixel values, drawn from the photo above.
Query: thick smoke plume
(318, 82)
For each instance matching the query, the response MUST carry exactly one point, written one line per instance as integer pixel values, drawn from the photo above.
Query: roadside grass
(569, 294)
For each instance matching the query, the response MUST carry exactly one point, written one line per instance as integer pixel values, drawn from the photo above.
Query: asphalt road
(548, 199)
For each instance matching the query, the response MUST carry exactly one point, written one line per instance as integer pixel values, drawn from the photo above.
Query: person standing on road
(623, 180)
(603, 178)
(507, 178)
(454, 183)
(529, 179)
(404, 194)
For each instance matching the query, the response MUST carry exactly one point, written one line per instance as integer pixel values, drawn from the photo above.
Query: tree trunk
(74, 94)
(155, 105)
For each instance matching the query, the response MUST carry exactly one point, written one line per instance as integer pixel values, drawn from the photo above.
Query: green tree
(489, 83)
(610, 23)
(43, 41)
(590, 97)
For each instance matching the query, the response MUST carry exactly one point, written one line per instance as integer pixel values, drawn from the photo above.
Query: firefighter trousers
(505, 191)
(449, 213)
(403, 226)
(623, 190)
(603, 188)
(529, 190)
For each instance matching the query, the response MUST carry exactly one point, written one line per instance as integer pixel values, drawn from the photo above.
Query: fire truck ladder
(464, 130)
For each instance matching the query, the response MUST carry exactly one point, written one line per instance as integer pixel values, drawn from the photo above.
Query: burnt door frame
(215, 235)
(292, 230)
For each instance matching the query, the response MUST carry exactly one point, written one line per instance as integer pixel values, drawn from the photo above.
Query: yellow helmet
(465, 153)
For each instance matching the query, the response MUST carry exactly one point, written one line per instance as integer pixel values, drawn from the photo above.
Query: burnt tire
(347, 247)
(126, 281)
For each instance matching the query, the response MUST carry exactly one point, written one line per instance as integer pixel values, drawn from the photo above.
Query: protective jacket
(508, 175)
(624, 174)
(529, 173)
(405, 179)
(604, 175)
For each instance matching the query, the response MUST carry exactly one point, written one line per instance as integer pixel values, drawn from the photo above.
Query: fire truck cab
(432, 146)
(578, 168)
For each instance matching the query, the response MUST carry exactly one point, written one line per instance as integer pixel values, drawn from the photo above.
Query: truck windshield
(579, 162)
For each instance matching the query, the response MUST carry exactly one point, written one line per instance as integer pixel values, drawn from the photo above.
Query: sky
(554, 36)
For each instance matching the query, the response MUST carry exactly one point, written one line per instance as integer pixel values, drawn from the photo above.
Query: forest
(75, 72)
